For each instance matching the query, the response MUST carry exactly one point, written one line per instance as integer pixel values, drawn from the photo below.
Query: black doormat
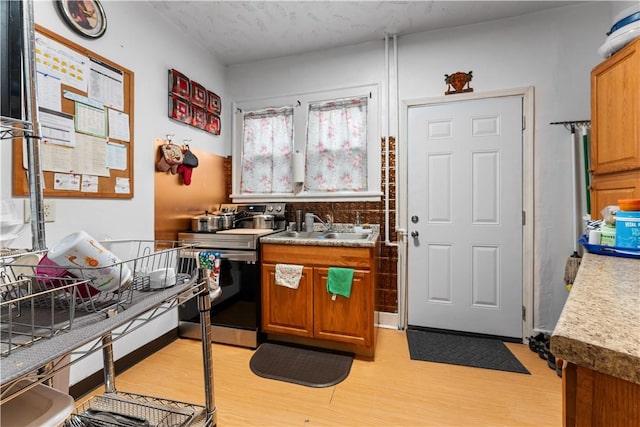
(312, 368)
(463, 350)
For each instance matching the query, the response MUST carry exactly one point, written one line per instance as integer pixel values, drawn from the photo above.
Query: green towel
(339, 281)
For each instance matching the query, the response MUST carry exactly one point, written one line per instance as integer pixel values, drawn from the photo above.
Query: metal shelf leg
(109, 366)
(204, 306)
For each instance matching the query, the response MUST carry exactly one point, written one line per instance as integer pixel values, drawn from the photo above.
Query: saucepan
(226, 219)
(263, 221)
(206, 223)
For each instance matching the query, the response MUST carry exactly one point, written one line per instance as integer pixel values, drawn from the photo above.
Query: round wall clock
(85, 17)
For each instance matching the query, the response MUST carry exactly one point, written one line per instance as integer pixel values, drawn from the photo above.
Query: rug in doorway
(304, 366)
(478, 352)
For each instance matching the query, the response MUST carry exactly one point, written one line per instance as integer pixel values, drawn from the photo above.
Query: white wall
(146, 46)
(553, 50)
(149, 52)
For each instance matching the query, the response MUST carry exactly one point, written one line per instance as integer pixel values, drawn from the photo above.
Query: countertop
(281, 238)
(599, 327)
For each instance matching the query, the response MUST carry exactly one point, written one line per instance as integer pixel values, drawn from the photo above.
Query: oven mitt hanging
(189, 159)
(185, 171)
(170, 159)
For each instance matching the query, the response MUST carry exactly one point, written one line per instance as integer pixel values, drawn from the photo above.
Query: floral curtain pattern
(267, 151)
(336, 151)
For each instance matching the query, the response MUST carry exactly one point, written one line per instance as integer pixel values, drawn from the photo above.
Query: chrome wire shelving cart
(46, 316)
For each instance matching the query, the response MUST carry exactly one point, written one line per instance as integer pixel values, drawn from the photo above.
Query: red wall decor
(179, 109)
(198, 117)
(193, 104)
(213, 103)
(179, 84)
(198, 95)
(213, 124)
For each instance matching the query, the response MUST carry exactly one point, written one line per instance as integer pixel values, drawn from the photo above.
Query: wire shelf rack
(132, 410)
(39, 301)
(45, 315)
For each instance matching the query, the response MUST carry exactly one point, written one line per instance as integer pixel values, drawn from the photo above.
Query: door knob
(415, 234)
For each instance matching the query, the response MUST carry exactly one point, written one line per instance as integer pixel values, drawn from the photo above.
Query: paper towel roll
(298, 167)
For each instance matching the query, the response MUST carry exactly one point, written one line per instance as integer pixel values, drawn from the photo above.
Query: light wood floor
(392, 390)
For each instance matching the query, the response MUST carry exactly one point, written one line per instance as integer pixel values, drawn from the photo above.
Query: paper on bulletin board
(90, 156)
(64, 181)
(56, 128)
(119, 125)
(81, 98)
(55, 158)
(55, 59)
(106, 84)
(89, 184)
(49, 92)
(91, 120)
(123, 186)
(116, 156)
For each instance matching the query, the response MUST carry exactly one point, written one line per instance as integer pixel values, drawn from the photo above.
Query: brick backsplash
(370, 212)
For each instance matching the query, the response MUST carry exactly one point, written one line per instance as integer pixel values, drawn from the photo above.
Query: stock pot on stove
(260, 221)
(206, 222)
(226, 219)
(210, 222)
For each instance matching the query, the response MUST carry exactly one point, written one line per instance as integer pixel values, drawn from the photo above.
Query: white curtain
(336, 151)
(267, 147)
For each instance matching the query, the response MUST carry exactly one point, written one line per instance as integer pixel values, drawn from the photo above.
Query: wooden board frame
(106, 185)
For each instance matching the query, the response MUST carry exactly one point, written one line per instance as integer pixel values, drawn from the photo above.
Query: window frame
(300, 116)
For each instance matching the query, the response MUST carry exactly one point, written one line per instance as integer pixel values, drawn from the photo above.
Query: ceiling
(245, 31)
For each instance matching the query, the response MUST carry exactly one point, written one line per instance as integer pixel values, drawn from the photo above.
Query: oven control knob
(278, 209)
(269, 208)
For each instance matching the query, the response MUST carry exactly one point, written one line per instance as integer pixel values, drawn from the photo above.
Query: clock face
(85, 17)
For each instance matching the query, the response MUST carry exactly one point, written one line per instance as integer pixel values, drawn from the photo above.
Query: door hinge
(524, 313)
(524, 218)
(524, 122)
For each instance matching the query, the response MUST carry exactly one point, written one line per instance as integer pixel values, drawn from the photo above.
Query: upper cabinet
(615, 112)
(615, 128)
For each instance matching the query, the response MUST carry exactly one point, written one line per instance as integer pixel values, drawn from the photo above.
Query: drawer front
(335, 256)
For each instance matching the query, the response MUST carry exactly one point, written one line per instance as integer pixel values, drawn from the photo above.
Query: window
(332, 135)
(267, 146)
(337, 146)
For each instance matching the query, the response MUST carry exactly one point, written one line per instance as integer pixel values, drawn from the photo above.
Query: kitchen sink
(345, 236)
(301, 234)
(323, 235)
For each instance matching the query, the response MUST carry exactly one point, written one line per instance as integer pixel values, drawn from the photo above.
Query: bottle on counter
(298, 220)
(308, 222)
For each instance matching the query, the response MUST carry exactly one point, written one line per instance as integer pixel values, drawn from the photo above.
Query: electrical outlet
(48, 207)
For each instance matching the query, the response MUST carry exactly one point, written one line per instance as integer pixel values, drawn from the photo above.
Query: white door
(465, 216)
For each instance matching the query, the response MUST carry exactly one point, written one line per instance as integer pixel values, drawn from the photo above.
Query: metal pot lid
(206, 215)
(263, 216)
(226, 214)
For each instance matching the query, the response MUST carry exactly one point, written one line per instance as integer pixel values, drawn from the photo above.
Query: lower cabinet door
(341, 319)
(286, 310)
(607, 189)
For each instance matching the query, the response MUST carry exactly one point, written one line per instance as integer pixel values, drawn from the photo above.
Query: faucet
(328, 223)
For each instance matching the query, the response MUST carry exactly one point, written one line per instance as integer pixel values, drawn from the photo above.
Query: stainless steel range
(235, 315)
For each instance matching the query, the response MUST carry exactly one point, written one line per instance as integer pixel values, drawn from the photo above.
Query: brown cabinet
(309, 312)
(607, 189)
(615, 128)
(594, 399)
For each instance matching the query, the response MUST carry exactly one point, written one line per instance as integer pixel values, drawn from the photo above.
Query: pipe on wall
(392, 108)
(387, 131)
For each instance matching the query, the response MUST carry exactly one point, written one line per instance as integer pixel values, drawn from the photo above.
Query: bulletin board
(86, 148)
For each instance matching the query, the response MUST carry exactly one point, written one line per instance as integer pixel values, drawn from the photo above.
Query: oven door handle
(246, 256)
